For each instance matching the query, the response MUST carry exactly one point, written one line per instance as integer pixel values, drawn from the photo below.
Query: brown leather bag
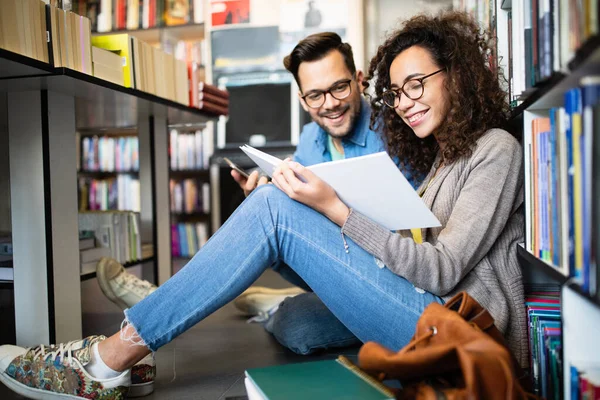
(457, 353)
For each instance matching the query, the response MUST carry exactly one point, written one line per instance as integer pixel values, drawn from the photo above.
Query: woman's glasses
(339, 91)
(413, 89)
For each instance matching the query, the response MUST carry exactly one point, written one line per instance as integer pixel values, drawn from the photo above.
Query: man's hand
(248, 185)
(302, 185)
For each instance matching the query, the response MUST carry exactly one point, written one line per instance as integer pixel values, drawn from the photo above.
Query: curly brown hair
(477, 102)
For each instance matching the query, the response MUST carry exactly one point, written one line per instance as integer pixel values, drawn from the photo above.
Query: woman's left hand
(300, 184)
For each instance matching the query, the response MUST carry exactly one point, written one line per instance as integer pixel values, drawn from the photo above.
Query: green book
(317, 380)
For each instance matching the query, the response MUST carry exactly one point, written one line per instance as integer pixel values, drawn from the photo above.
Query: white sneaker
(258, 300)
(121, 287)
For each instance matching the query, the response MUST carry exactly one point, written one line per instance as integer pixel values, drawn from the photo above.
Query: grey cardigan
(478, 201)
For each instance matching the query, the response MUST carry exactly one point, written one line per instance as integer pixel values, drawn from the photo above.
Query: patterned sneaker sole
(141, 389)
(101, 274)
(32, 393)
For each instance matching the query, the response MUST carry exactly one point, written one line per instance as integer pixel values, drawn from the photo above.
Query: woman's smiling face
(427, 113)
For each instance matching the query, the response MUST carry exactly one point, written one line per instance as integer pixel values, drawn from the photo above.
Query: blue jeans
(303, 323)
(372, 302)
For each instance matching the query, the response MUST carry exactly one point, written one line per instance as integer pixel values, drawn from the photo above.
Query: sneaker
(142, 377)
(121, 287)
(57, 372)
(258, 300)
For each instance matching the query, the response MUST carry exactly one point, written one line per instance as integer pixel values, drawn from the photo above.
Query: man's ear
(359, 78)
(302, 102)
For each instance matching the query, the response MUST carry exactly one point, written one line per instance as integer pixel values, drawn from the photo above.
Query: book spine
(364, 376)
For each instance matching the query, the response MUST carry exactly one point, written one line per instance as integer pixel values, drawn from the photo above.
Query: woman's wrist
(338, 212)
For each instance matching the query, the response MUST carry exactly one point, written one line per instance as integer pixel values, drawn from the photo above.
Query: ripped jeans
(371, 301)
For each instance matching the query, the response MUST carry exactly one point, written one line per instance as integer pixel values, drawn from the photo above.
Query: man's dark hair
(314, 48)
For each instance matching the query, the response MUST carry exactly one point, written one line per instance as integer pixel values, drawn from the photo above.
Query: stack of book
(117, 231)
(120, 193)
(545, 340)
(107, 65)
(189, 151)
(147, 68)
(561, 188)
(113, 15)
(108, 154)
(89, 254)
(189, 196)
(543, 36)
(23, 28)
(69, 40)
(187, 239)
(213, 99)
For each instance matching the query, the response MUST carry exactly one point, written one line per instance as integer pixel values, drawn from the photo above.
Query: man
(330, 91)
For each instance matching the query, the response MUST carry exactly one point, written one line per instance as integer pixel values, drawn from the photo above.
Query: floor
(208, 361)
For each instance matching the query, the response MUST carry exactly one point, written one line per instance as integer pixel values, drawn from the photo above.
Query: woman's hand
(302, 185)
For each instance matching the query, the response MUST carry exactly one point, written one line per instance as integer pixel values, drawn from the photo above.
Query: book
(206, 87)
(211, 98)
(316, 380)
(213, 108)
(372, 185)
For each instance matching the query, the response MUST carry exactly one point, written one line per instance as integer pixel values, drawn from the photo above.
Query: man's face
(336, 117)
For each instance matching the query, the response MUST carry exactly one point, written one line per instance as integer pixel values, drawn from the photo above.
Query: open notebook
(372, 185)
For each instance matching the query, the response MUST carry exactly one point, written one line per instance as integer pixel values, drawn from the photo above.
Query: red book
(211, 98)
(213, 108)
(205, 87)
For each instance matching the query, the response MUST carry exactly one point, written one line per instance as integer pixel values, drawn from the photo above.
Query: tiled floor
(208, 361)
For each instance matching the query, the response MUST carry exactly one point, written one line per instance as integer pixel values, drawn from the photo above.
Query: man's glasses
(413, 89)
(339, 91)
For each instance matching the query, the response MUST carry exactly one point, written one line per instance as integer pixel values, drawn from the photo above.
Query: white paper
(372, 185)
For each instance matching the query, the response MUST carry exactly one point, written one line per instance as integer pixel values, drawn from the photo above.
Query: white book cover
(372, 185)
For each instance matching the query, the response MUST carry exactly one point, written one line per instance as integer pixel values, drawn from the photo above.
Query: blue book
(590, 98)
(182, 240)
(570, 101)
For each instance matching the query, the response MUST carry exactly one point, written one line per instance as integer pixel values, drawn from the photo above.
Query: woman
(441, 105)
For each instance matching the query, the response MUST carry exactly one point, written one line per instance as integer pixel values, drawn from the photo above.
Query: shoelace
(40, 351)
(134, 284)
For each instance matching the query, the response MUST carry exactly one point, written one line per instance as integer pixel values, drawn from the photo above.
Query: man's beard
(351, 122)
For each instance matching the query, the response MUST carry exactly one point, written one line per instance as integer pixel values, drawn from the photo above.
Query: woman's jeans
(372, 302)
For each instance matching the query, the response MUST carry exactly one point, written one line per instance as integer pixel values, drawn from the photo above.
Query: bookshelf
(45, 107)
(185, 32)
(568, 49)
(92, 275)
(190, 187)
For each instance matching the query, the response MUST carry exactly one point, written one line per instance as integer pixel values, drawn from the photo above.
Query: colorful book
(328, 379)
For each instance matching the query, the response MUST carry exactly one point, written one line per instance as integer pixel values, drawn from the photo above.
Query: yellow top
(416, 232)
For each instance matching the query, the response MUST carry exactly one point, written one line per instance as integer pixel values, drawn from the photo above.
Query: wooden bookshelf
(190, 217)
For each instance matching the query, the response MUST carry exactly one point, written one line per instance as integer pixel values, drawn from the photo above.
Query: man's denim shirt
(312, 146)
